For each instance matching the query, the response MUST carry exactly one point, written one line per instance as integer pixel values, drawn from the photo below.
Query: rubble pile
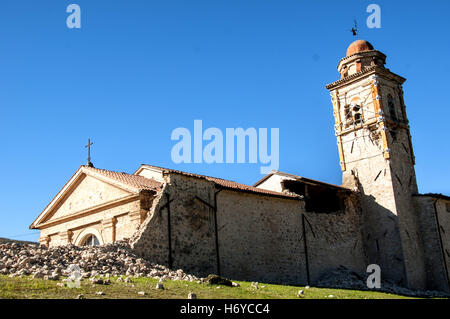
(346, 279)
(115, 259)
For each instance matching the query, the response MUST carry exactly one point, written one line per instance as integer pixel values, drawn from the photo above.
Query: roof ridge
(188, 173)
(228, 183)
(136, 181)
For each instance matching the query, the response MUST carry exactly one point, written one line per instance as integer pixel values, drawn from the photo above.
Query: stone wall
(443, 213)
(259, 237)
(191, 227)
(434, 229)
(401, 165)
(337, 240)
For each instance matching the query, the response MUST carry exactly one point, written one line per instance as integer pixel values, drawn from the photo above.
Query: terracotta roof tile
(135, 181)
(228, 184)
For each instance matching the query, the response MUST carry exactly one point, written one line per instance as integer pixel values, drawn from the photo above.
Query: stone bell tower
(376, 157)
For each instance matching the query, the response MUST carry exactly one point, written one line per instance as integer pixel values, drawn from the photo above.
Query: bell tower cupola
(360, 56)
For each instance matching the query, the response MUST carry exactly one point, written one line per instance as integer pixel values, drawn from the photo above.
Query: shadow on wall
(381, 240)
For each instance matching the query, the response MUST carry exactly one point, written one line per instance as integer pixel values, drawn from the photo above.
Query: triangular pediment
(83, 191)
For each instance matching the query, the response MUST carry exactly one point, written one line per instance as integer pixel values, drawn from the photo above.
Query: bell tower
(376, 158)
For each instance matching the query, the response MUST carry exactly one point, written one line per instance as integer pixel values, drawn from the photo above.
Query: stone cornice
(361, 54)
(368, 71)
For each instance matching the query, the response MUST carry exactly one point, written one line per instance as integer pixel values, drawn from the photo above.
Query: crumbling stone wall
(191, 226)
(335, 239)
(259, 237)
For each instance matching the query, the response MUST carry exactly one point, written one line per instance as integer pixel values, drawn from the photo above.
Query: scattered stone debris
(80, 296)
(235, 284)
(330, 296)
(191, 295)
(128, 280)
(100, 262)
(142, 293)
(346, 279)
(101, 293)
(300, 293)
(217, 280)
(61, 284)
(36, 275)
(159, 286)
(100, 281)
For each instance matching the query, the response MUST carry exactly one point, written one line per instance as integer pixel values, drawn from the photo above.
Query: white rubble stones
(235, 284)
(98, 263)
(141, 293)
(37, 275)
(300, 293)
(254, 285)
(100, 281)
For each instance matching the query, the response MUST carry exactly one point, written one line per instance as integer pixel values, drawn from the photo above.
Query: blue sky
(137, 70)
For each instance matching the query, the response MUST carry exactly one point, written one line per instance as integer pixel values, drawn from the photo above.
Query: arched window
(356, 112)
(90, 240)
(391, 108)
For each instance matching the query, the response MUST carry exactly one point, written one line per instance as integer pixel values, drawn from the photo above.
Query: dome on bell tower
(359, 46)
(361, 55)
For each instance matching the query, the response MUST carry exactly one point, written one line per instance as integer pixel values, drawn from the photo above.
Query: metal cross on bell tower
(355, 29)
(88, 146)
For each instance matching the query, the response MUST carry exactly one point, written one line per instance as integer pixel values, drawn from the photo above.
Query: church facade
(285, 228)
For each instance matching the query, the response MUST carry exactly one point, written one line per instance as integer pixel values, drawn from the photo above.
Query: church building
(285, 228)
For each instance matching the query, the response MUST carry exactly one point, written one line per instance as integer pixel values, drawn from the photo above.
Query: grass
(26, 287)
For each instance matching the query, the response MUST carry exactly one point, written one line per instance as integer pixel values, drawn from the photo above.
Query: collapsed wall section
(178, 231)
(246, 235)
(335, 239)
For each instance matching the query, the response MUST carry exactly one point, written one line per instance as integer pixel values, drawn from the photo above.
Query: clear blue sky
(136, 70)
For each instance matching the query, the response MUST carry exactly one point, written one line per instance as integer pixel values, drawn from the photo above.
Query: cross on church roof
(88, 146)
